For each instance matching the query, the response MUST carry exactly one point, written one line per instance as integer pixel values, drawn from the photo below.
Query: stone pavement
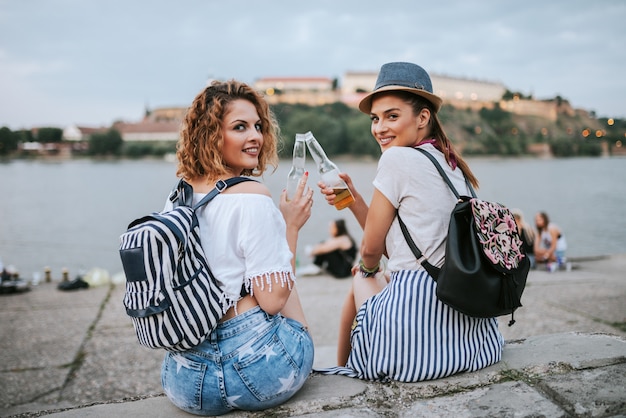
(74, 354)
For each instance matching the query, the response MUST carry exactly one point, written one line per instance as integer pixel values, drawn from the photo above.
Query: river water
(70, 214)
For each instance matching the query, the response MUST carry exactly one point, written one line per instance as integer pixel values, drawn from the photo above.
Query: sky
(93, 62)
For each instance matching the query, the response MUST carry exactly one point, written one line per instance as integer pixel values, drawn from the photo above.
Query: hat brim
(365, 105)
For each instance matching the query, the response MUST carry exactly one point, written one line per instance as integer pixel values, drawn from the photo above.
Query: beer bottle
(297, 166)
(329, 173)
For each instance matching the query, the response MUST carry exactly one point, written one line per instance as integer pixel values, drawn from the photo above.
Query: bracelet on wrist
(368, 272)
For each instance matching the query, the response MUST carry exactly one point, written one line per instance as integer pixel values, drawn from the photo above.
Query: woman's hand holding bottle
(359, 208)
(330, 173)
(329, 192)
(297, 210)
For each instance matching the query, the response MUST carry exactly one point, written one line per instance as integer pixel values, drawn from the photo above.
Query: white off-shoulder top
(243, 236)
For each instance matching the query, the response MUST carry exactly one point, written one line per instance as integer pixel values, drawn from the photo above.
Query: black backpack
(485, 269)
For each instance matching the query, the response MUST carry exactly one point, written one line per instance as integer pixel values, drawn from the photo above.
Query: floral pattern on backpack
(497, 232)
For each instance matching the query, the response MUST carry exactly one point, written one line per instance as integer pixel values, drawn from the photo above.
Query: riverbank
(71, 354)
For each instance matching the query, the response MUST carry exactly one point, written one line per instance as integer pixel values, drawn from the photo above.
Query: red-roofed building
(80, 133)
(148, 130)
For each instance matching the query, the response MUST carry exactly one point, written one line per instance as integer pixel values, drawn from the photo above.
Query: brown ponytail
(437, 132)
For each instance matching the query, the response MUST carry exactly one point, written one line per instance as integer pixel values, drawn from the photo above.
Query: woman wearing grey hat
(393, 327)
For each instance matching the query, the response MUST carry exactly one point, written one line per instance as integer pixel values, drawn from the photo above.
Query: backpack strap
(182, 194)
(444, 176)
(421, 258)
(220, 186)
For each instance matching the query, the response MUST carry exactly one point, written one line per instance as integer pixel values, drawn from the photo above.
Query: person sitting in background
(335, 255)
(527, 234)
(550, 244)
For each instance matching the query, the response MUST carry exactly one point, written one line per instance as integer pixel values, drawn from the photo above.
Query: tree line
(107, 143)
(343, 130)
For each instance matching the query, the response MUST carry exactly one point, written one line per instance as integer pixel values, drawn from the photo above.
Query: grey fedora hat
(403, 76)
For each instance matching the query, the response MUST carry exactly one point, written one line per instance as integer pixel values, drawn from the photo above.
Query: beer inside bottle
(343, 198)
(329, 173)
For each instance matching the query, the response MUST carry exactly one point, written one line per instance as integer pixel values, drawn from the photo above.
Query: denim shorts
(251, 362)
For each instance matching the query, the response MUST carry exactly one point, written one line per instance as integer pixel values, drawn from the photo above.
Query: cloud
(89, 61)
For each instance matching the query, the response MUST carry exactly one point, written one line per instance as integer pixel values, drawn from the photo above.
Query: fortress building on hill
(313, 91)
(354, 85)
(164, 123)
(458, 92)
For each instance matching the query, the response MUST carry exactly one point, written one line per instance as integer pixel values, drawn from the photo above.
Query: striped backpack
(171, 294)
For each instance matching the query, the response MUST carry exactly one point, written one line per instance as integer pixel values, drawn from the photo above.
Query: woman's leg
(362, 289)
(319, 260)
(348, 312)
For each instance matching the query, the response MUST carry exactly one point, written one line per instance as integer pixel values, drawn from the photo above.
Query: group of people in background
(545, 244)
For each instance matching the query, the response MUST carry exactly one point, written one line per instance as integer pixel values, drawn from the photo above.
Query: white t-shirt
(243, 236)
(411, 182)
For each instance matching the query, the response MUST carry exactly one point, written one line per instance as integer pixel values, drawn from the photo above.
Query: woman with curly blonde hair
(261, 352)
(201, 140)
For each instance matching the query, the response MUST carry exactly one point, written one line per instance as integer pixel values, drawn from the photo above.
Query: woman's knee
(364, 288)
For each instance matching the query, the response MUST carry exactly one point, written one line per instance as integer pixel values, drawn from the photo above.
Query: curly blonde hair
(199, 149)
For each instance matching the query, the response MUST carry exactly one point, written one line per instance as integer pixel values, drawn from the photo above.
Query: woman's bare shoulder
(252, 187)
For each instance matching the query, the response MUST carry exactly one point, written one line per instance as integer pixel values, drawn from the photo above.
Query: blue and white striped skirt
(404, 333)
